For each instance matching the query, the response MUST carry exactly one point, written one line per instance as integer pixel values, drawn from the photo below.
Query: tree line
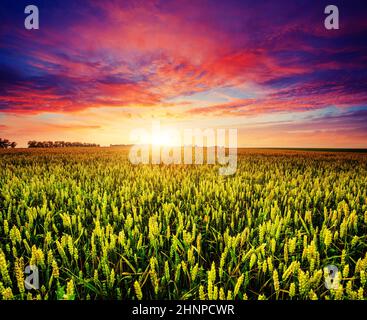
(5, 144)
(59, 144)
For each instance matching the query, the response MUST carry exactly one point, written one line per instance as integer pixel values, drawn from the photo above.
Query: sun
(162, 139)
(157, 137)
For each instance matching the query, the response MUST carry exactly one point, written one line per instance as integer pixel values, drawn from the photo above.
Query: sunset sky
(97, 69)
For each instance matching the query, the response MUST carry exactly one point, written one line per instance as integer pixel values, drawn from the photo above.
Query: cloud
(158, 54)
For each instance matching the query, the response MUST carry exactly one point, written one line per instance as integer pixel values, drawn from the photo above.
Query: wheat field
(98, 227)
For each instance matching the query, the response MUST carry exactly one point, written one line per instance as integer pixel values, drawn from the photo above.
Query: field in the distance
(98, 227)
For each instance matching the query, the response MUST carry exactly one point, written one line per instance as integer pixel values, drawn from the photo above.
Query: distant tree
(5, 143)
(58, 144)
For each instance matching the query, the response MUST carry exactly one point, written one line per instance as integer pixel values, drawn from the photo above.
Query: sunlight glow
(162, 139)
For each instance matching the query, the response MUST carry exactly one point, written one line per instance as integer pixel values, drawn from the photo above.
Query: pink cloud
(136, 54)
